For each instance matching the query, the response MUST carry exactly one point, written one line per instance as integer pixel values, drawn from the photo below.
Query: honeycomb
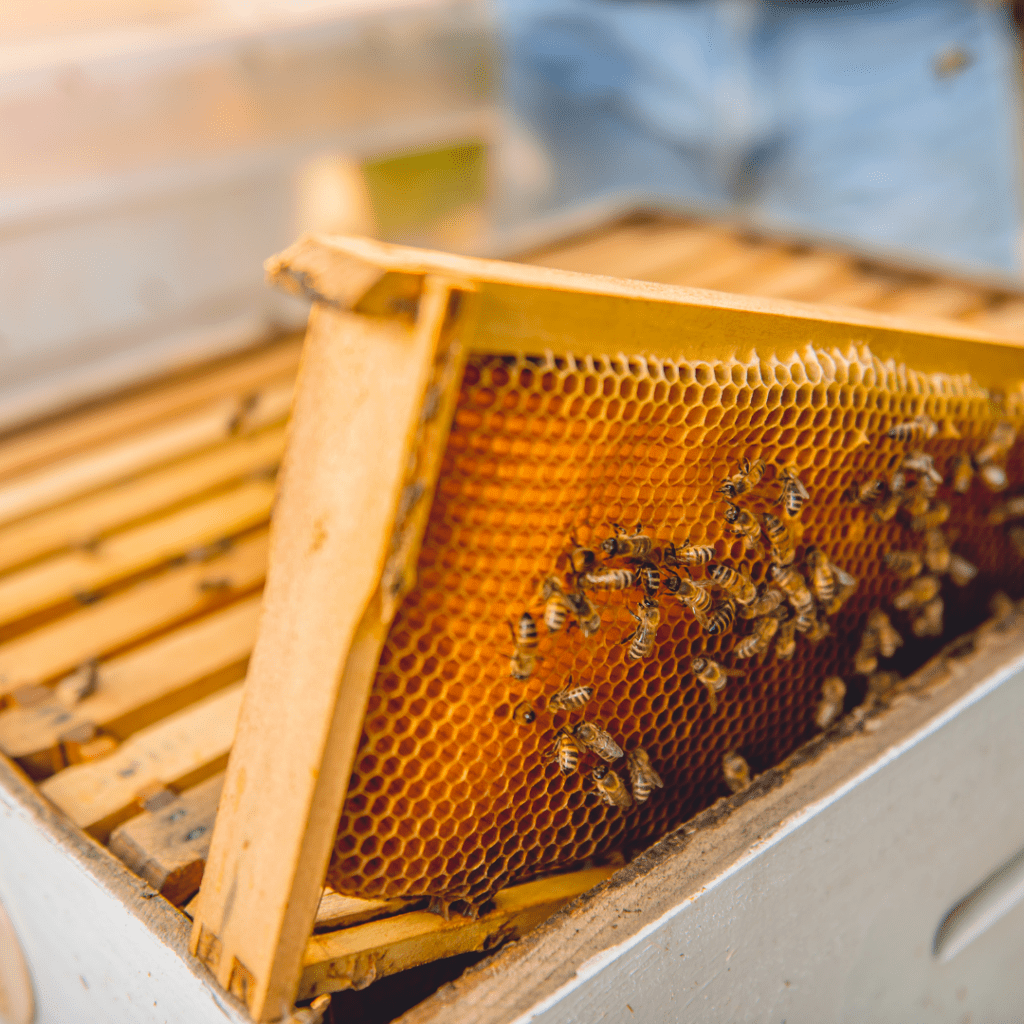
(450, 797)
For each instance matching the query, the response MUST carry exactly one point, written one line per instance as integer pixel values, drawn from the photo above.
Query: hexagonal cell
(544, 450)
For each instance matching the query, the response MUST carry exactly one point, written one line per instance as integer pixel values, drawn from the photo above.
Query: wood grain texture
(138, 688)
(168, 847)
(63, 436)
(83, 521)
(177, 752)
(64, 578)
(357, 956)
(356, 422)
(130, 615)
(141, 451)
(519, 305)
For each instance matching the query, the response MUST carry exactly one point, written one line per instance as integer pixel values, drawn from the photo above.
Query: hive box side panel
(99, 944)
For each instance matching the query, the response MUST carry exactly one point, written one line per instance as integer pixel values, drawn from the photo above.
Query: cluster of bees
(913, 488)
(795, 600)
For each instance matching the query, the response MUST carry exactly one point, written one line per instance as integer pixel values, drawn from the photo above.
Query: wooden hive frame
(389, 325)
(120, 502)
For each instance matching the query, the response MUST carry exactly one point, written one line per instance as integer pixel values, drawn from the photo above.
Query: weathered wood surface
(167, 844)
(140, 409)
(130, 615)
(137, 688)
(69, 577)
(83, 521)
(357, 956)
(177, 752)
(355, 433)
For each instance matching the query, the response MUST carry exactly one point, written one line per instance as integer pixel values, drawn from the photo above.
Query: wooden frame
(374, 398)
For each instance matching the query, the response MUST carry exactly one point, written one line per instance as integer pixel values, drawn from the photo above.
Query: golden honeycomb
(449, 796)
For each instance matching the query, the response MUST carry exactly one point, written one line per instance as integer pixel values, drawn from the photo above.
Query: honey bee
(78, 685)
(721, 617)
(565, 751)
(869, 493)
(929, 621)
(642, 775)
(570, 698)
(993, 477)
(833, 691)
(780, 539)
(556, 604)
(999, 443)
(758, 641)
(888, 508)
(735, 771)
(524, 714)
(738, 586)
(1016, 535)
(713, 675)
(608, 579)
(865, 661)
(581, 559)
(961, 572)
(648, 576)
(794, 586)
(793, 494)
(846, 585)
(623, 545)
(917, 502)
(744, 525)
(805, 620)
(768, 599)
(586, 614)
(611, 787)
(920, 427)
(923, 465)
(963, 473)
(746, 480)
(641, 640)
(688, 554)
(880, 684)
(818, 630)
(935, 516)
(887, 639)
(905, 564)
(921, 590)
(936, 552)
(697, 597)
(823, 579)
(525, 657)
(785, 640)
(595, 739)
(1012, 508)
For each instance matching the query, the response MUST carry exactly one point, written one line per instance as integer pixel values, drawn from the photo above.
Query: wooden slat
(142, 451)
(138, 688)
(937, 298)
(61, 578)
(112, 419)
(353, 439)
(84, 520)
(806, 278)
(337, 911)
(131, 615)
(733, 273)
(355, 957)
(1007, 316)
(178, 752)
(167, 846)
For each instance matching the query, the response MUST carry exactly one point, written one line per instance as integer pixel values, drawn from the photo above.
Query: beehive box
(573, 403)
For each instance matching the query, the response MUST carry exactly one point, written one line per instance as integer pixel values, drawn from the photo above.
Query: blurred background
(157, 151)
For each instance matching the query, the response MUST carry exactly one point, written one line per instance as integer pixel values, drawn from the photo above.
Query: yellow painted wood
(128, 616)
(355, 433)
(87, 519)
(140, 687)
(354, 957)
(61, 578)
(88, 471)
(178, 752)
(140, 408)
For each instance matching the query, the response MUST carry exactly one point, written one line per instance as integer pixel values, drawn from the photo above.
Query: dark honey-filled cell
(452, 797)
